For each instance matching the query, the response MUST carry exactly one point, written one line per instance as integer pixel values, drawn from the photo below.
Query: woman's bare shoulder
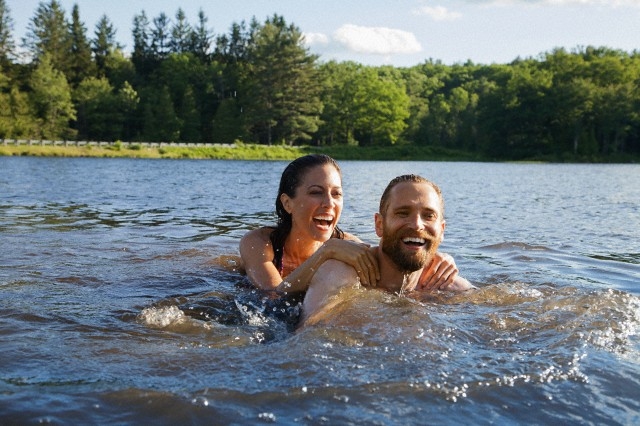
(257, 237)
(260, 233)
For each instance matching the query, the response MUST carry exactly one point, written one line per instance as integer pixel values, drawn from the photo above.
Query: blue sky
(395, 32)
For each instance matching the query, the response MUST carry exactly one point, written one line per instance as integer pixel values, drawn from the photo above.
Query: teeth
(327, 218)
(413, 240)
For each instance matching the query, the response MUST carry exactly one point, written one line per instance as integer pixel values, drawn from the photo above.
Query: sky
(392, 32)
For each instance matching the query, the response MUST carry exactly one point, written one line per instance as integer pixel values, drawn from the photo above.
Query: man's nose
(416, 222)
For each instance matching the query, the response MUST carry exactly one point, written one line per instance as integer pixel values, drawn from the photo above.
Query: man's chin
(408, 263)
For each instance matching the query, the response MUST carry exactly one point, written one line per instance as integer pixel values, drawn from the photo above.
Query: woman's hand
(355, 254)
(440, 274)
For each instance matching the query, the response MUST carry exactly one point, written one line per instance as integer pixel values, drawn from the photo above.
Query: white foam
(163, 316)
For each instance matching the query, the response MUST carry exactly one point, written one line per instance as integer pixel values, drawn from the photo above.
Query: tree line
(258, 83)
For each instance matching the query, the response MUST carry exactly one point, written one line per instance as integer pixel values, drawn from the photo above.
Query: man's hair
(384, 200)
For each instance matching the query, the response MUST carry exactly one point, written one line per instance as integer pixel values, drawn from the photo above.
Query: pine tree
(104, 44)
(160, 36)
(141, 56)
(160, 123)
(280, 90)
(48, 34)
(201, 36)
(7, 44)
(190, 118)
(81, 64)
(180, 34)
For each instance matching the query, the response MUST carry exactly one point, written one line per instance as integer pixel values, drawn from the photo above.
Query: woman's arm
(257, 256)
(441, 273)
(351, 252)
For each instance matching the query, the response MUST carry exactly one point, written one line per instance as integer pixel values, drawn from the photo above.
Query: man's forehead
(414, 193)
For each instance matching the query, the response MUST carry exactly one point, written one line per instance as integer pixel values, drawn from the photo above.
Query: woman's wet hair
(290, 180)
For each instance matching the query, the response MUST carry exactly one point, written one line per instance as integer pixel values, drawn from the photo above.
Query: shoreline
(238, 151)
(241, 151)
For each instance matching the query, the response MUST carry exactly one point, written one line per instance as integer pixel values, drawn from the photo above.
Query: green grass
(242, 151)
(239, 152)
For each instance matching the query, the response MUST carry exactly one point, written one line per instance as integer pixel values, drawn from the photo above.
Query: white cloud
(612, 3)
(376, 40)
(595, 2)
(312, 39)
(437, 13)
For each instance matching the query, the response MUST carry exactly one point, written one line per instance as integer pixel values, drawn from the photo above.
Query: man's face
(412, 226)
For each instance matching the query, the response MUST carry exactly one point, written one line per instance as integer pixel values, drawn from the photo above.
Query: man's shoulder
(336, 267)
(350, 237)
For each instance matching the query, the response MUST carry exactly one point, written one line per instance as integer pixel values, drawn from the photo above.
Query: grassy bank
(281, 152)
(240, 152)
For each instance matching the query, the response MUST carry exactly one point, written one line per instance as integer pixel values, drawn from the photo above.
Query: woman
(308, 206)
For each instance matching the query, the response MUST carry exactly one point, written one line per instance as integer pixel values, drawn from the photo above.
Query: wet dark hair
(384, 200)
(289, 182)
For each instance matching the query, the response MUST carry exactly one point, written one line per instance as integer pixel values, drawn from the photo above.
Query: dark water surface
(119, 303)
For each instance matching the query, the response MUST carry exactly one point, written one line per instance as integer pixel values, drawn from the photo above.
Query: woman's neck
(299, 249)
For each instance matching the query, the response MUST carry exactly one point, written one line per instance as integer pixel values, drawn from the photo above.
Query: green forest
(258, 83)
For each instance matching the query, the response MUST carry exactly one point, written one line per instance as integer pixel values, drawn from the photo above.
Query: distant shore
(242, 151)
(239, 151)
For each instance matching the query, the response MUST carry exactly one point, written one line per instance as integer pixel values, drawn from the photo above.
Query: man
(410, 224)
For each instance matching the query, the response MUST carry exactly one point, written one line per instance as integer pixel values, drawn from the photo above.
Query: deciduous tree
(51, 98)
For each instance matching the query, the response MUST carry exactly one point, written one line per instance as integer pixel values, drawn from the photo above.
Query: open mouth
(324, 221)
(414, 241)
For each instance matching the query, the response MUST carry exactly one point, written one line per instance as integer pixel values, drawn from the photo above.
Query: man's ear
(286, 202)
(379, 224)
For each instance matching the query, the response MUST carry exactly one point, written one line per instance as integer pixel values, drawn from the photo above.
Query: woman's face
(317, 203)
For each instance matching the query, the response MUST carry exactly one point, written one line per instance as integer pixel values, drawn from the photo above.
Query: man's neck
(391, 278)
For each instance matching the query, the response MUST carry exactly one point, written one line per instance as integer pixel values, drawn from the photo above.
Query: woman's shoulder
(259, 234)
(256, 243)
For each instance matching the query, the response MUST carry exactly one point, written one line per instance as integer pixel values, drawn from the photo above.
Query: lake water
(119, 303)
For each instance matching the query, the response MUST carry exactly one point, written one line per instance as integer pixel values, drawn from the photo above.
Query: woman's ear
(286, 202)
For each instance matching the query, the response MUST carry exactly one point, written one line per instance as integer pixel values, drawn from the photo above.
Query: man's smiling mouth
(414, 241)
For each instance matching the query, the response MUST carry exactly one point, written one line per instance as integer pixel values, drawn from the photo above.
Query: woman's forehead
(323, 175)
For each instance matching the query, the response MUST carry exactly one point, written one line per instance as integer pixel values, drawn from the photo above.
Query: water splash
(162, 317)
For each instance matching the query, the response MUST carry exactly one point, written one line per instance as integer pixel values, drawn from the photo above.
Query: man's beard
(407, 262)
